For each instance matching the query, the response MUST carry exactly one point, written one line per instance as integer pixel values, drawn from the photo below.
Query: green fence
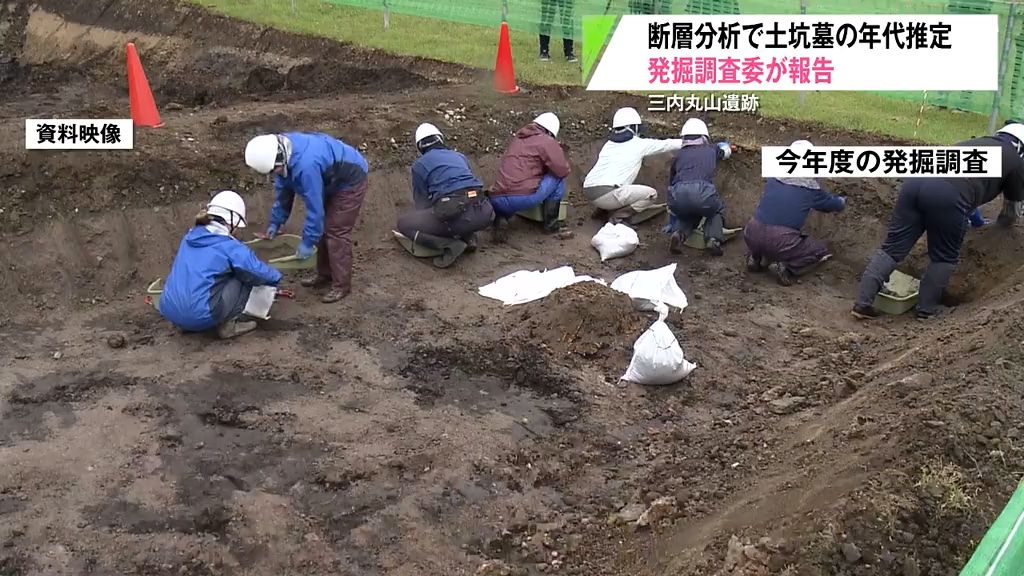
(563, 18)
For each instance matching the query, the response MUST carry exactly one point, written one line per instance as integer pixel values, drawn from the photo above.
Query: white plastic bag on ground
(529, 285)
(261, 298)
(657, 357)
(648, 287)
(615, 241)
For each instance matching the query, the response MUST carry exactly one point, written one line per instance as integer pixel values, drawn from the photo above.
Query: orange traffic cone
(504, 73)
(140, 97)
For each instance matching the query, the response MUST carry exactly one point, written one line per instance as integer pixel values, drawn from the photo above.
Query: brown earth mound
(586, 321)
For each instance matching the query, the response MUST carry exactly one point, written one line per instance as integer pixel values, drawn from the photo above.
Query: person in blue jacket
(331, 177)
(775, 233)
(213, 273)
(450, 206)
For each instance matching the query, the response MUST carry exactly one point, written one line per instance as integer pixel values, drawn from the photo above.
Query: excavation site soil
(418, 427)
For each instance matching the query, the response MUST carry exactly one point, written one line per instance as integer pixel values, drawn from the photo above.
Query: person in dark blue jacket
(774, 234)
(692, 194)
(331, 177)
(940, 208)
(213, 273)
(450, 206)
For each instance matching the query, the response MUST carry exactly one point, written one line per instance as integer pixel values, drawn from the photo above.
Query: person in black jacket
(939, 207)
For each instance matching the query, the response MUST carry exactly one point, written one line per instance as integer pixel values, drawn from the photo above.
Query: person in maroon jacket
(532, 172)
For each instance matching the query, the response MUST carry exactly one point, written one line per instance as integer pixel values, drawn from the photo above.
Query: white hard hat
(229, 206)
(549, 122)
(800, 147)
(694, 127)
(426, 130)
(1015, 129)
(625, 117)
(261, 153)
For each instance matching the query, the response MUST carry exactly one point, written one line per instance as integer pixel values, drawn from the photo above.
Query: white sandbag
(615, 241)
(657, 358)
(529, 285)
(648, 287)
(261, 298)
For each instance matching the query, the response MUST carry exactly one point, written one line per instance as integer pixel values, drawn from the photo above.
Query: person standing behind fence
(547, 16)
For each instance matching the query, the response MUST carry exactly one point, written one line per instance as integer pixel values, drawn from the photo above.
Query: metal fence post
(293, 6)
(1003, 57)
(803, 12)
(387, 15)
(504, 10)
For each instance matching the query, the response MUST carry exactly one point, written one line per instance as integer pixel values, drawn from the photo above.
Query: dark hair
(204, 218)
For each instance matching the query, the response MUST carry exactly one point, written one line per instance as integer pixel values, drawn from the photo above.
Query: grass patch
(476, 46)
(946, 484)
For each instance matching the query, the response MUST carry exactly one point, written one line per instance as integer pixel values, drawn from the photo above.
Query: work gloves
(305, 251)
(976, 219)
(724, 150)
(271, 232)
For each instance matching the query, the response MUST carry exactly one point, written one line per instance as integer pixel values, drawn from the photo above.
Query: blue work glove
(305, 251)
(726, 149)
(976, 219)
(843, 200)
(271, 232)
(673, 222)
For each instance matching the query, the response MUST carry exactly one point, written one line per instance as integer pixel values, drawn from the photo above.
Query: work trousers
(477, 216)
(691, 201)
(787, 246)
(622, 201)
(334, 254)
(550, 188)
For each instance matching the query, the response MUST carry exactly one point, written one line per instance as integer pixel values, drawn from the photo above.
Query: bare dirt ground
(418, 428)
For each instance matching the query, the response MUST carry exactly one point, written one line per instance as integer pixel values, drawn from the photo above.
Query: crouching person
(450, 206)
(774, 234)
(692, 194)
(531, 173)
(213, 273)
(610, 185)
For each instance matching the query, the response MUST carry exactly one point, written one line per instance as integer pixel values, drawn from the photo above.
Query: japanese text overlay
(79, 134)
(882, 162)
(807, 52)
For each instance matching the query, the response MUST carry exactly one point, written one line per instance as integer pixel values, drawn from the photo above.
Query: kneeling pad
(417, 250)
(696, 240)
(646, 215)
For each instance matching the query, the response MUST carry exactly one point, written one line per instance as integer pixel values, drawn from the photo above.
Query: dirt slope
(418, 428)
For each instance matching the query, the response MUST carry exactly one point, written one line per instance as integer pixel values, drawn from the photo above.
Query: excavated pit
(417, 427)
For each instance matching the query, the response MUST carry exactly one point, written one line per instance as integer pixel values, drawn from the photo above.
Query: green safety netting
(563, 18)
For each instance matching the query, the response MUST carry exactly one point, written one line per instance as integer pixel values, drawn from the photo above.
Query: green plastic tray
(417, 250)
(536, 215)
(283, 263)
(153, 292)
(696, 240)
(1001, 551)
(894, 305)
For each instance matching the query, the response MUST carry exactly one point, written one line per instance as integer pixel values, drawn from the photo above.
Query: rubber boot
(714, 246)
(754, 264)
(499, 229)
(781, 273)
(933, 284)
(876, 274)
(451, 248)
(676, 241)
(1009, 215)
(233, 328)
(550, 210)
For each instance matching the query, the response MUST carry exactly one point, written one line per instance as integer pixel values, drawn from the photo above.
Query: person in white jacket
(609, 185)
